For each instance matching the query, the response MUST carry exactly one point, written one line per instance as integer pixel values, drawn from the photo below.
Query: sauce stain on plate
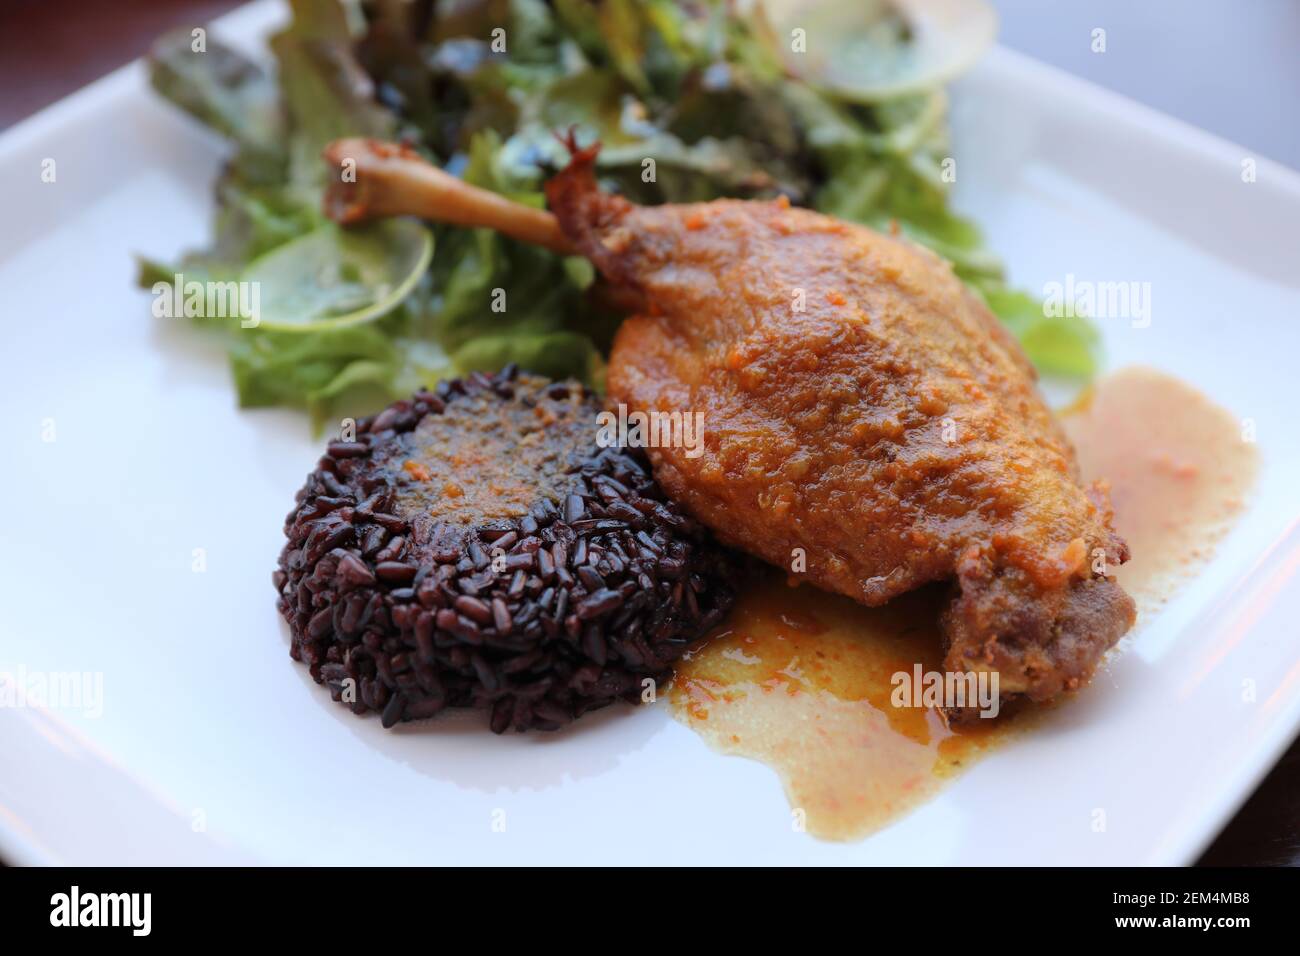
(1178, 467)
(802, 681)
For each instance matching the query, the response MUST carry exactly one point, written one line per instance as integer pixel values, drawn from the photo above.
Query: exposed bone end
(365, 180)
(372, 179)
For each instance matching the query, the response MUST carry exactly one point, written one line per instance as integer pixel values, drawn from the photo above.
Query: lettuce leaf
(697, 87)
(339, 372)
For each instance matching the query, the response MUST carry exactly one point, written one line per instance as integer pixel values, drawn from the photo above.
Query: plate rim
(1221, 801)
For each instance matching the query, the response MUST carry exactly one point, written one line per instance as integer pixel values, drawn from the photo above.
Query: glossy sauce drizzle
(1178, 468)
(801, 680)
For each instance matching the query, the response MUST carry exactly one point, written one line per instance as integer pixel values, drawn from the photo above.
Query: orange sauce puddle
(801, 680)
(1178, 468)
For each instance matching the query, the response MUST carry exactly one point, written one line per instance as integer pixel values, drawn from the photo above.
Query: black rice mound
(417, 576)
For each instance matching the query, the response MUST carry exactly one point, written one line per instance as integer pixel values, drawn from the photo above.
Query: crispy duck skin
(866, 417)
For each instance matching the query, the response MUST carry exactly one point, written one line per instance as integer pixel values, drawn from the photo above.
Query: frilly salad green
(709, 90)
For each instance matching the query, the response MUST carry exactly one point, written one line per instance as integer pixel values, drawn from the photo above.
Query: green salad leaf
(333, 277)
(480, 86)
(342, 370)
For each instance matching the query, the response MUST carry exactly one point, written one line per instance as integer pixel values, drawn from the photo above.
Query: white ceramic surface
(212, 746)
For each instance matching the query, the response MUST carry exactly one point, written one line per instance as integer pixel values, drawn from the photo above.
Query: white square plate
(213, 746)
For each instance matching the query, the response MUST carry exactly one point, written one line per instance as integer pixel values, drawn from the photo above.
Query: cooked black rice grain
(473, 547)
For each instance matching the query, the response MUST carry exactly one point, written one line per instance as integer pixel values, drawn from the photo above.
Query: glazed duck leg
(868, 423)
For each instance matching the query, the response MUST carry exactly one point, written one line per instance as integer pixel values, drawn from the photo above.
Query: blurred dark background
(48, 48)
(1230, 67)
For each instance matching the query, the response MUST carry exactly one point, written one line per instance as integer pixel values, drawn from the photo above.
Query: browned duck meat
(868, 422)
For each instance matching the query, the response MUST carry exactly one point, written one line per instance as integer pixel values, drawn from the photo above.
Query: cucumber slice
(333, 277)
